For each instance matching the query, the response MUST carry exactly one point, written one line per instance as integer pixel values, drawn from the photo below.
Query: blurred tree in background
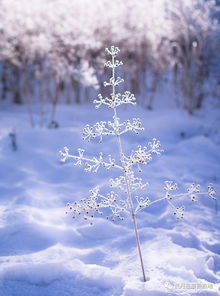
(52, 50)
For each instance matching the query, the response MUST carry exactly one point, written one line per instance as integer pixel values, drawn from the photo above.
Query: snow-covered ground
(44, 252)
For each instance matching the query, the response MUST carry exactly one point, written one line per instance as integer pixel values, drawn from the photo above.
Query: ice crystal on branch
(193, 189)
(122, 200)
(116, 64)
(90, 164)
(100, 129)
(87, 208)
(179, 212)
(114, 128)
(170, 186)
(113, 51)
(134, 182)
(114, 101)
(142, 202)
(211, 191)
(113, 81)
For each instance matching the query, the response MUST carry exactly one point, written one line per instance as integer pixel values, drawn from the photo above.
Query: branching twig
(127, 182)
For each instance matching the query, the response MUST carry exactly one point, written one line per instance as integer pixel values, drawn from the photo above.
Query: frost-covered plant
(128, 202)
(39, 51)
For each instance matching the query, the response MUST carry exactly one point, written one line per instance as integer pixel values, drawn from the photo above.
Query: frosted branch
(134, 182)
(142, 203)
(116, 63)
(142, 155)
(114, 128)
(113, 81)
(100, 129)
(114, 101)
(128, 98)
(113, 50)
(91, 164)
(193, 191)
(135, 126)
(95, 203)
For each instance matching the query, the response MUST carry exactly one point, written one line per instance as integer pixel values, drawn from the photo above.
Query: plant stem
(126, 179)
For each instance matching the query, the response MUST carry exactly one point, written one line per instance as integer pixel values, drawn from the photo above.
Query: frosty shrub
(127, 202)
(44, 59)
